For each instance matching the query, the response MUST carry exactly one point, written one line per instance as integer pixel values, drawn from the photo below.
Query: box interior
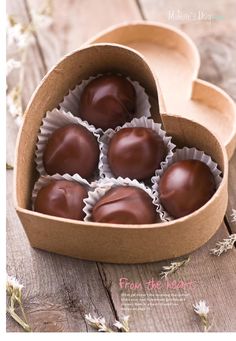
(175, 60)
(113, 242)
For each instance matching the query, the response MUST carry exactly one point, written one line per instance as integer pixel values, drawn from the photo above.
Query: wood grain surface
(60, 290)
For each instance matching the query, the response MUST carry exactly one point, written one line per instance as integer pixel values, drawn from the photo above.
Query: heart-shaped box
(175, 59)
(111, 242)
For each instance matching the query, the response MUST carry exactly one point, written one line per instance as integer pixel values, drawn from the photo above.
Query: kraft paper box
(110, 242)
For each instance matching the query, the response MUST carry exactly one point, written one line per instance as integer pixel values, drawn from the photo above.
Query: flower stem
(205, 323)
(23, 313)
(23, 324)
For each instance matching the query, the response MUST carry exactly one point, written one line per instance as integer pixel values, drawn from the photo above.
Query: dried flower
(8, 166)
(173, 267)
(202, 310)
(12, 284)
(233, 215)
(14, 105)
(224, 245)
(14, 292)
(43, 17)
(98, 323)
(12, 64)
(124, 325)
(19, 34)
(41, 20)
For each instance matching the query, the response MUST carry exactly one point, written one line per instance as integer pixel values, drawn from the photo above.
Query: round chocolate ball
(108, 101)
(71, 149)
(61, 198)
(135, 153)
(125, 205)
(185, 187)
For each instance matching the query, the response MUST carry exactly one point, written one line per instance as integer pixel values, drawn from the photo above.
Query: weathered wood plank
(75, 21)
(214, 281)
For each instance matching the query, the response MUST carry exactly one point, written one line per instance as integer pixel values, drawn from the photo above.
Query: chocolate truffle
(108, 101)
(135, 153)
(71, 149)
(185, 187)
(125, 205)
(61, 198)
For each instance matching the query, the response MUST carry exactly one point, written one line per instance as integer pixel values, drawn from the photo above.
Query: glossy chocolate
(185, 187)
(135, 153)
(108, 101)
(71, 149)
(62, 198)
(125, 205)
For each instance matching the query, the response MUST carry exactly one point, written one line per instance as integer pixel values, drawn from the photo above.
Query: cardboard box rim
(185, 45)
(134, 256)
(148, 23)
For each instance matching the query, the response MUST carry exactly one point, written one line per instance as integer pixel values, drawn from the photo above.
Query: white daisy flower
(19, 35)
(98, 323)
(118, 325)
(201, 308)
(13, 33)
(124, 325)
(13, 283)
(13, 106)
(12, 64)
(25, 39)
(41, 20)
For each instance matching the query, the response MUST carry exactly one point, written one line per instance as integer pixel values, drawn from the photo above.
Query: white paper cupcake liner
(52, 121)
(45, 180)
(71, 102)
(182, 154)
(103, 165)
(102, 186)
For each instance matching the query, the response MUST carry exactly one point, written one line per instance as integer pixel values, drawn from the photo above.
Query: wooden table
(59, 290)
